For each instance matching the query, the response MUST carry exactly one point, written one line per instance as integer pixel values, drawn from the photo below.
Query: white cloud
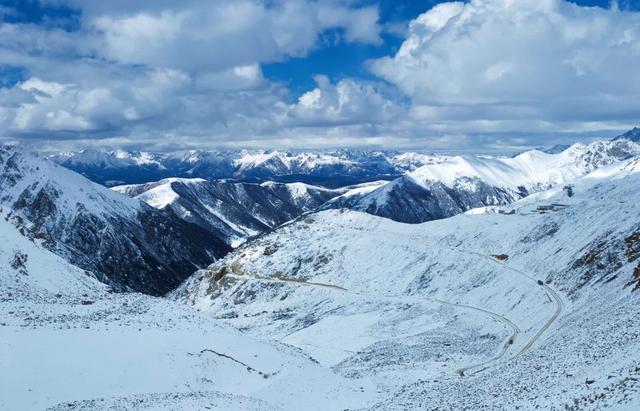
(360, 25)
(349, 101)
(186, 69)
(218, 35)
(519, 62)
(59, 107)
(245, 77)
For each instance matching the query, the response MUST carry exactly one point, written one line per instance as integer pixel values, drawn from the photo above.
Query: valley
(504, 306)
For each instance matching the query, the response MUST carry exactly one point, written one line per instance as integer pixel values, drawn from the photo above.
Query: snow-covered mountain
(122, 241)
(332, 169)
(30, 271)
(460, 183)
(532, 309)
(231, 211)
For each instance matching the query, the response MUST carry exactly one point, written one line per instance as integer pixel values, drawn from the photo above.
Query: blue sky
(335, 59)
(348, 59)
(174, 74)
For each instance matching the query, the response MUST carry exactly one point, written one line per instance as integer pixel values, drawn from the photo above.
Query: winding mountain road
(505, 345)
(551, 293)
(472, 368)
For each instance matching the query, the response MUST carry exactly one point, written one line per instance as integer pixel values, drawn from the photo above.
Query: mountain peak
(633, 135)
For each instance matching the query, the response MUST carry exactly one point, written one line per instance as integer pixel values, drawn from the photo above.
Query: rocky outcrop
(122, 241)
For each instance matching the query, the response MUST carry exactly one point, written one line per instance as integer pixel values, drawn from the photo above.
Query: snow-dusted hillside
(231, 211)
(533, 306)
(28, 270)
(458, 184)
(68, 343)
(125, 242)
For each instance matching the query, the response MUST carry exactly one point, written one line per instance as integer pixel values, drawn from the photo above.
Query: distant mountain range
(239, 194)
(331, 169)
(162, 231)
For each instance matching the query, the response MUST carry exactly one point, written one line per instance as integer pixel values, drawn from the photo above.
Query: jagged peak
(633, 135)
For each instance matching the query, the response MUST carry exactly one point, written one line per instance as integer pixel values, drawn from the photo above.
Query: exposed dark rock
(124, 243)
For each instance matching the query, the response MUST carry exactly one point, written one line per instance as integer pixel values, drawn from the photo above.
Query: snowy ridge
(23, 172)
(116, 158)
(458, 184)
(158, 194)
(530, 168)
(631, 135)
(229, 210)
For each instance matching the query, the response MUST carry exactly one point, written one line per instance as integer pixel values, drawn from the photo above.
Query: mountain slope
(458, 184)
(124, 242)
(467, 312)
(30, 271)
(68, 343)
(231, 211)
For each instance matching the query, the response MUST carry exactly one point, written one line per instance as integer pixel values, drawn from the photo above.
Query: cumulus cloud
(346, 102)
(217, 35)
(521, 65)
(167, 73)
(146, 103)
(59, 107)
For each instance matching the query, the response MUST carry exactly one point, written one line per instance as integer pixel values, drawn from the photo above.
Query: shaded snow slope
(632, 135)
(503, 299)
(125, 242)
(29, 270)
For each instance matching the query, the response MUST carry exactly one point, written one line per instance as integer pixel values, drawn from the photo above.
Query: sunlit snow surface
(393, 303)
(343, 310)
